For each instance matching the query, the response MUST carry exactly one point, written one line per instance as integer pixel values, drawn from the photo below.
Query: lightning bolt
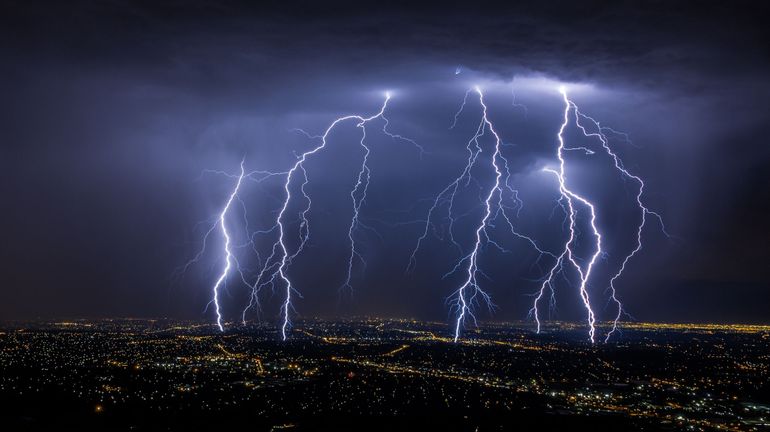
(464, 300)
(570, 196)
(513, 98)
(644, 211)
(257, 176)
(358, 194)
(276, 266)
(228, 254)
(470, 293)
(448, 194)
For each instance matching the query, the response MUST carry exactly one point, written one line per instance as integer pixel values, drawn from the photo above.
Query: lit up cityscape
(173, 374)
(396, 216)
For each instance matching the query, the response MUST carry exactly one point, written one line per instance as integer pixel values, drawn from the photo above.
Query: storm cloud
(111, 112)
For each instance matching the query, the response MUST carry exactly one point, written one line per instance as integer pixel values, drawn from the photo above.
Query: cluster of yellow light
(735, 328)
(72, 324)
(397, 369)
(181, 328)
(631, 412)
(111, 388)
(229, 353)
(117, 363)
(329, 339)
(396, 351)
(424, 335)
(258, 362)
(283, 426)
(194, 338)
(592, 401)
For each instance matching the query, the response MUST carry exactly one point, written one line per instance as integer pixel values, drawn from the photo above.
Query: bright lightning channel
(277, 264)
(228, 254)
(643, 210)
(470, 293)
(568, 195)
(464, 301)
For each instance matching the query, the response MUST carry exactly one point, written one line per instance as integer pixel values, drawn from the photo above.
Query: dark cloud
(111, 110)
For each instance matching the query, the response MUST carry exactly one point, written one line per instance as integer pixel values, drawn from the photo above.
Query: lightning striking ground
(228, 254)
(470, 292)
(465, 300)
(569, 195)
(644, 211)
(276, 266)
(257, 176)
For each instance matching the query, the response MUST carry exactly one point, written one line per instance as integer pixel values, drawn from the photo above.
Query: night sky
(112, 111)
